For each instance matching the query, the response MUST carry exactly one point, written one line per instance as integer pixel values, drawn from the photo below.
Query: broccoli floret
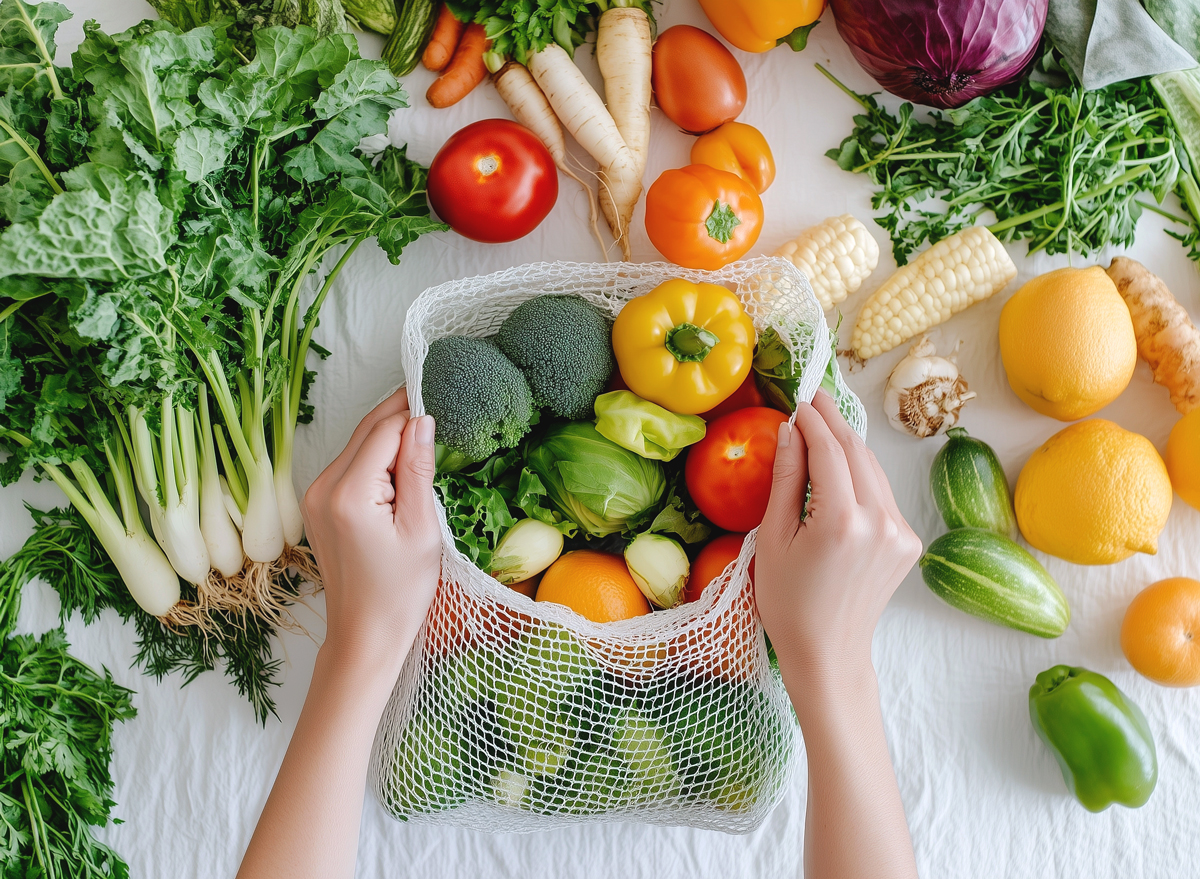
(563, 344)
(479, 400)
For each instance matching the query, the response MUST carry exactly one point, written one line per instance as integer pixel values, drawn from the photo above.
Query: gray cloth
(1107, 41)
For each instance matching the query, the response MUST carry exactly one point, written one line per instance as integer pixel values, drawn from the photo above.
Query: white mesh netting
(515, 715)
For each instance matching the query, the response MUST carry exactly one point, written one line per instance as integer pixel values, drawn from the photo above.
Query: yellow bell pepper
(759, 25)
(685, 346)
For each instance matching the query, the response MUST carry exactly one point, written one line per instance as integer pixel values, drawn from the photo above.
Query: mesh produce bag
(511, 715)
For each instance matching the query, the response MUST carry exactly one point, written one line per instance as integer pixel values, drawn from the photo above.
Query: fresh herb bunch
(56, 723)
(162, 208)
(520, 28)
(1058, 166)
(64, 552)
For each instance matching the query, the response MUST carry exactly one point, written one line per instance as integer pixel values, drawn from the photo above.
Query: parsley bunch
(520, 28)
(56, 722)
(1058, 166)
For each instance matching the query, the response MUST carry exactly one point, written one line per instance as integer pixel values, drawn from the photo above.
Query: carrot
(583, 114)
(529, 106)
(465, 71)
(446, 35)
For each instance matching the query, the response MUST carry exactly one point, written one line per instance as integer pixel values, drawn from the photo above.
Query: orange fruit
(1067, 342)
(1160, 635)
(596, 585)
(1183, 458)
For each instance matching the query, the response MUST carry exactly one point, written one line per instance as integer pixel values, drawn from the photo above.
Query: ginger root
(1166, 337)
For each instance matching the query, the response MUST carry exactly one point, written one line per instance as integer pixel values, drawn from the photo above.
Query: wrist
(824, 686)
(370, 672)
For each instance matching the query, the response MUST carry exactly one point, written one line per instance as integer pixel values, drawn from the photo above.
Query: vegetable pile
(164, 206)
(612, 467)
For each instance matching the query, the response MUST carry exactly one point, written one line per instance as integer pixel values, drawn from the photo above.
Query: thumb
(789, 483)
(415, 467)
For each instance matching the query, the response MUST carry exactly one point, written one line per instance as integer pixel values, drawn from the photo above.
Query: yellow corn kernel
(952, 275)
(837, 255)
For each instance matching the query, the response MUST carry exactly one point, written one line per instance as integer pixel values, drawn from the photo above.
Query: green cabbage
(644, 427)
(595, 483)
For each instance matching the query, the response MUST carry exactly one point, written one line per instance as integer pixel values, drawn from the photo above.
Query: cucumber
(969, 486)
(414, 25)
(986, 574)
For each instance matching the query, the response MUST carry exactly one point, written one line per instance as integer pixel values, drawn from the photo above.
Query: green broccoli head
(479, 400)
(563, 344)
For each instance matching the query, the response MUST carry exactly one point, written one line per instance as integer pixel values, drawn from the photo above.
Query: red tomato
(729, 471)
(697, 82)
(713, 559)
(493, 181)
(746, 395)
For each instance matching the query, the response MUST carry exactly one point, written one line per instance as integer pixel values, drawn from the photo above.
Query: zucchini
(372, 15)
(414, 25)
(969, 486)
(986, 574)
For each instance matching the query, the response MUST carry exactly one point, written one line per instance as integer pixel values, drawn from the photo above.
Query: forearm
(855, 824)
(309, 826)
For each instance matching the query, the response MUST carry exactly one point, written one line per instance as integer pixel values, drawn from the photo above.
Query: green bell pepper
(1101, 739)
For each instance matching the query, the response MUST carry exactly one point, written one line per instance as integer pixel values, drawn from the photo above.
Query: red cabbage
(942, 52)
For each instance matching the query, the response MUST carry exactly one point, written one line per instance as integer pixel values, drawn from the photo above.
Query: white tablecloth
(984, 797)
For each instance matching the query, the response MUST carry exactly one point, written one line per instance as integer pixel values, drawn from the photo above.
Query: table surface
(984, 797)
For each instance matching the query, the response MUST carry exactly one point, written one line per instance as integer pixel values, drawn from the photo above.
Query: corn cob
(837, 255)
(954, 274)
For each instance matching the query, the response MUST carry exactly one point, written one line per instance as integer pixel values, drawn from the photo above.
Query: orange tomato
(702, 218)
(739, 149)
(697, 82)
(1160, 635)
(712, 560)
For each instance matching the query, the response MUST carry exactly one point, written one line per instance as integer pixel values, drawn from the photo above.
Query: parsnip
(583, 114)
(529, 106)
(623, 53)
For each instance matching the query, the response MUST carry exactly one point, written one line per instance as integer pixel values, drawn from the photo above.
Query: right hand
(371, 521)
(821, 584)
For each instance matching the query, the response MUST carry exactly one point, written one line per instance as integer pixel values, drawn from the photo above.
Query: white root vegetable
(221, 535)
(583, 114)
(623, 52)
(168, 478)
(925, 392)
(529, 106)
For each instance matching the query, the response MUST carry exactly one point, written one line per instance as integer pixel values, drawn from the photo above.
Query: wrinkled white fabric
(983, 795)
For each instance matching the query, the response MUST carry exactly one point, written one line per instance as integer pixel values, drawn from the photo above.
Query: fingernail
(423, 432)
(785, 435)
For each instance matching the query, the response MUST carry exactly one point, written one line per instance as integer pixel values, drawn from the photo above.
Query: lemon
(1067, 342)
(1094, 494)
(1183, 457)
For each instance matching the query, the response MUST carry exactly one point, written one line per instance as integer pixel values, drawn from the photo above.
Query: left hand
(371, 522)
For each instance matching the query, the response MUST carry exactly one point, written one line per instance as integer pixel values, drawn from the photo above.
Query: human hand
(371, 522)
(821, 584)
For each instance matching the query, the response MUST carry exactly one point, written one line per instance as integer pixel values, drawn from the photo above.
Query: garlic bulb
(925, 392)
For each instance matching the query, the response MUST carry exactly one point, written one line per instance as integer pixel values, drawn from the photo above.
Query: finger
(788, 485)
(395, 404)
(832, 486)
(414, 470)
(885, 488)
(862, 473)
(373, 463)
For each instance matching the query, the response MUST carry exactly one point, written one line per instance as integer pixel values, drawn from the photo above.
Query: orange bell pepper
(739, 149)
(759, 25)
(702, 218)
